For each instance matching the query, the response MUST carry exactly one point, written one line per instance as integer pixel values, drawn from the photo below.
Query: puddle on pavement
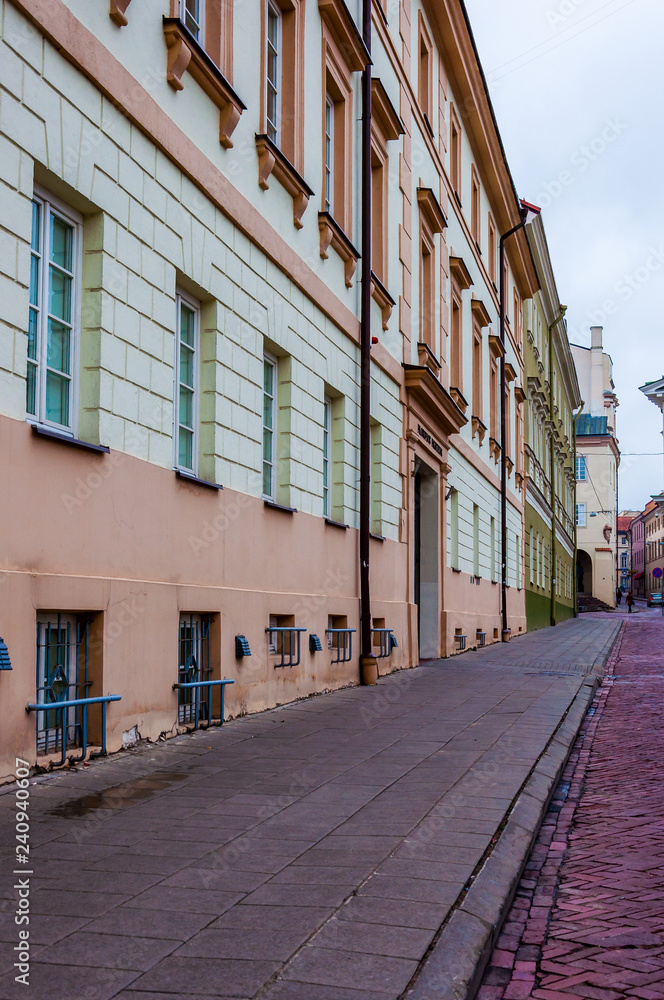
(119, 796)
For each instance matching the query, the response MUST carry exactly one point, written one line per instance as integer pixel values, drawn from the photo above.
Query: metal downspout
(503, 427)
(368, 663)
(552, 466)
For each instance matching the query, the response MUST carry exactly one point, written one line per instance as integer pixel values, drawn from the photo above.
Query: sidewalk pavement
(360, 845)
(587, 918)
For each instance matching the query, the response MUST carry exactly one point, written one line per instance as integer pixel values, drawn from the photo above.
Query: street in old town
(359, 844)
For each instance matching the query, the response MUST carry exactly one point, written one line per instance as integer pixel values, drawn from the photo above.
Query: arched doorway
(584, 572)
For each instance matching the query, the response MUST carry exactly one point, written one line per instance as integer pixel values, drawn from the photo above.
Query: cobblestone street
(588, 918)
(319, 851)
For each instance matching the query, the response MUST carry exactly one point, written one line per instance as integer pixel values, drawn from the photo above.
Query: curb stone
(454, 968)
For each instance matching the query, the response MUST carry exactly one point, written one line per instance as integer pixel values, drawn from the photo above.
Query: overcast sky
(578, 91)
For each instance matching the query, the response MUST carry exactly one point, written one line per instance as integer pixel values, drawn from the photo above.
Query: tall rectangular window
(475, 204)
(424, 73)
(454, 529)
(273, 70)
(329, 154)
(476, 540)
(187, 351)
(532, 555)
(477, 374)
(427, 307)
(193, 666)
(269, 427)
(493, 271)
(580, 467)
(518, 562)
(493, 549)
(376, 478)
(327, 456)
(580, 515)
(455, 152)
(493, 400)
(192, 13)
(62, 675)
(53, 323)
(456, 358)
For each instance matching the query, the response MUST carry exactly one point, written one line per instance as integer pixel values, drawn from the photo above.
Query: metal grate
(194, 703)
(386, 641)
(340, 642)
(62, 675)
(285, 643)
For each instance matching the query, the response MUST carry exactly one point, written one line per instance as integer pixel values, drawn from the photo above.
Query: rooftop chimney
(596, 337)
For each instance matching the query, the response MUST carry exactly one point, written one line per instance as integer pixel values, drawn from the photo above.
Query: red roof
(624, 523)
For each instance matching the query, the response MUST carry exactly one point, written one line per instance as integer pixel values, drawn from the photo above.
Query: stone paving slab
(321, 850)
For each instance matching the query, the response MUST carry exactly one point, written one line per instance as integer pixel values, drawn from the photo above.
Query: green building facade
(552, 395)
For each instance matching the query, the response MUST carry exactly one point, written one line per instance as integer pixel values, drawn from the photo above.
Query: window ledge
(478, 428)
(185, 53)
(191, 478)
(54, 435)
(336, 524)
(279, 506)
(376, 538)
(455, 570)
(332, 235)
(459, 398)
(427, 359)
(271, 160)
(380, 294)
(494, 450)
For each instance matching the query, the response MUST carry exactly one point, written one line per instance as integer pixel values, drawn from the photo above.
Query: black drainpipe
(552, 467)
(368, 664)
(503, 465)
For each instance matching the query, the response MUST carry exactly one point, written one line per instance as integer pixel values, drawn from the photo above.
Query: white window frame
(327, 457)
(50, 205)
(273, 126)
(581, 515)
(269, 359)
(581, 467)
(199, 34)
(182, 298)
(329, 154)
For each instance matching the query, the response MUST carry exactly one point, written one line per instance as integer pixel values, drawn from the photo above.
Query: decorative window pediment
(340, 24)
(460, 272)
(271, 160)
(185, 54)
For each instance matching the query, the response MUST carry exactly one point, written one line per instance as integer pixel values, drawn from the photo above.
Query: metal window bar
(195, 686)
(386, 641)
(461, 639)
(62, 675)
(343, 646)
(81, 705)
(287, 645)
(194, 671)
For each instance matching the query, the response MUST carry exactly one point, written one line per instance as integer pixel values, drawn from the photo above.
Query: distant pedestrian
(618, 595)
(630, 601)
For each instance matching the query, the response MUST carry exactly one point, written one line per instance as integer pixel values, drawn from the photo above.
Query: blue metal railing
(207, 702)
(289, 640)
(84, 704)
(342, 645)
(386, 641)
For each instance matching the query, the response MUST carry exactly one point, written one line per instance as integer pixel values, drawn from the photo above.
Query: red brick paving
(587, 922)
